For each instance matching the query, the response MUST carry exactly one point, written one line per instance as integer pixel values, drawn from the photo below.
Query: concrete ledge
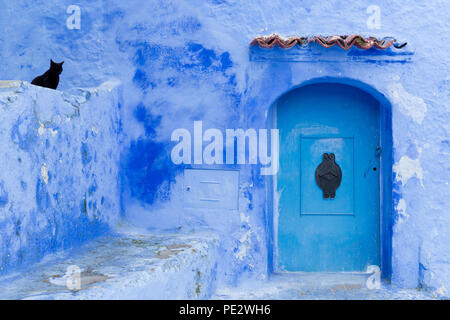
(123, 266)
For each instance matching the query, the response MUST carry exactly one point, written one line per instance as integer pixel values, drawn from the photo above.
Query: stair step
(122, 266)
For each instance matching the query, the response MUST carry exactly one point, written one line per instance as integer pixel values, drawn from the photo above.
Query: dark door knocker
(328, 176)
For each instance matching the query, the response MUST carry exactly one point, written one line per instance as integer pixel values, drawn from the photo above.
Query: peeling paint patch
(401, 210)
(41, 129)
(244, 218)
(245, 245)
(441, 291)
(407, 168)
(408, 104)
(53, 132)
(44, 173)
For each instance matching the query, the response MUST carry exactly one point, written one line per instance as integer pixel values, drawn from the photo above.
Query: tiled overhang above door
(310, 49)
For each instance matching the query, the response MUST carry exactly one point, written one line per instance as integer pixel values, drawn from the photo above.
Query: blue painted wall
(59, 169)
(181, 61)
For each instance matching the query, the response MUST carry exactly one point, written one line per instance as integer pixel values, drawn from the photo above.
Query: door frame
(386, 205)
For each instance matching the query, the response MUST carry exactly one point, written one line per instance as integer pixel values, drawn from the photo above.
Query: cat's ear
(62, 63)
(52, 62)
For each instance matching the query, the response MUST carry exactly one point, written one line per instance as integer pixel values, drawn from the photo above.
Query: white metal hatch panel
(214, 189)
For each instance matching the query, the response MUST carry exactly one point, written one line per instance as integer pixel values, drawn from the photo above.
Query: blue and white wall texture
(88, 158)
(59, 165)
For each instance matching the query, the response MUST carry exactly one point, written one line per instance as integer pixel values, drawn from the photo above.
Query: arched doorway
(334, 184)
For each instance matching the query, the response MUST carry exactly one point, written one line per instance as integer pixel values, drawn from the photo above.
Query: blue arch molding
(386, 192)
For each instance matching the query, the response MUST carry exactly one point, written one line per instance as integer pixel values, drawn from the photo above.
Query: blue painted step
(123, 266)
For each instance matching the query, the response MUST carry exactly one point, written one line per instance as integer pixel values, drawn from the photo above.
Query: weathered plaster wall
(59, 181)
(182, 61)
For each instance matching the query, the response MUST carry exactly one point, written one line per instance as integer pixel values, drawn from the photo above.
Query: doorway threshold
(317, 286)
(316, 280)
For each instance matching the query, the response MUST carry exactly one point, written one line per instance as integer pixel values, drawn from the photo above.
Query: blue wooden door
(328, 234)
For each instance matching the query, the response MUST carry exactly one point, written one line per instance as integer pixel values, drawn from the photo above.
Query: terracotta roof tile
(345, 42)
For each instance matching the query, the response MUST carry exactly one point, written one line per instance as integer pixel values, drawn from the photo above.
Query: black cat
(50, 78)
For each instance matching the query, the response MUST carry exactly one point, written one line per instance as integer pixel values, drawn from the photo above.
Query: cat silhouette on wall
(50, 79)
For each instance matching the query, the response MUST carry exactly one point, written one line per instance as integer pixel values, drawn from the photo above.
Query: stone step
(318, 286)
(123, 265)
